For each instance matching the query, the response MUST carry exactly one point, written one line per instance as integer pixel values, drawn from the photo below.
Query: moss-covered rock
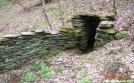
(54, 53)
(110, 30)
(70, 31)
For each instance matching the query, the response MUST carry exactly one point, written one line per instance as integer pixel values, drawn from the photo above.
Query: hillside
(70, 66)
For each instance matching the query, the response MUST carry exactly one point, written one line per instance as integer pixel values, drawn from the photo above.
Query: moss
(69, 46)
(110, 17)
(54, 53)
(1, 36)
(78, 68)
(83, 43)
(63, 30)
(75, 16)
(70, 31)
(96, 15)
(107, 30)
(67, 27)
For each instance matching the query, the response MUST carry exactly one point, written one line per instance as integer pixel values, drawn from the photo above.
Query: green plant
(52, 7)
(5, 2)
(68, 12)
(121, 35)
(86, 80)
(54, 53)
(44, 24)
(45, 71)
(62, 68)
(7, 60)
(84, 74)
(29, 77)
(86, 60)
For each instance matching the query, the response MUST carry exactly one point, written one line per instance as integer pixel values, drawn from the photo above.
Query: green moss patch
(107, 30)
(70, 31)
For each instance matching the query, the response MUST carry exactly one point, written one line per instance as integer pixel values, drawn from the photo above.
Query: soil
(15, 20)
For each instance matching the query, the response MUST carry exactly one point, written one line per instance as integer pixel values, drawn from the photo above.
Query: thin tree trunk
(44, 10)
(61, 13)
(114, 7)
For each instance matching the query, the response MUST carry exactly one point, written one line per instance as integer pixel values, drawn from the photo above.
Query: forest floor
(69, 66)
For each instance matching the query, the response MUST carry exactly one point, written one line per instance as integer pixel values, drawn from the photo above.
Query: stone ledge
(106, 24)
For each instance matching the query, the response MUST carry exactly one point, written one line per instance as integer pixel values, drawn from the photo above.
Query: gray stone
(106, 24)
(106, 30)
(40, 31)
(28, 33)
(11, 36)
(3, 39)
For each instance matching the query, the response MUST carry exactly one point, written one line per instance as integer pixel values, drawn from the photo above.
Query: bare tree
(44, 10)
(61, 13)
(114, 8)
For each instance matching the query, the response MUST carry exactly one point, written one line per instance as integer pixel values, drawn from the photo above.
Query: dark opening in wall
(87, 24)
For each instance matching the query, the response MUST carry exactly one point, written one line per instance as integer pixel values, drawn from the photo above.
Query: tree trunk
(114, 8)
(44, 10)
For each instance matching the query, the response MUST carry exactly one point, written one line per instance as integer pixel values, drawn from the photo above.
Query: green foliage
(99, 43)
(119, 2)
(86, 80)
(86, 60)
(52, 7)
(84, 74)
(7, 60)
(45, 71)
(54, 53)
(29, 77)
(68, 12)
(37, 27)
(62, 68)
(121, 35)
(4, 2)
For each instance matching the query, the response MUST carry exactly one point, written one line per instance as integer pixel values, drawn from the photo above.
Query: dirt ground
(13, 19)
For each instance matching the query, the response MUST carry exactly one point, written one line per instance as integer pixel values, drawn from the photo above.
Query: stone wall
(16, 51)
(96, 30)
(19, 50)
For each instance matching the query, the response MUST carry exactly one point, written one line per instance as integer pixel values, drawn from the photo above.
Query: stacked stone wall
(19, 50)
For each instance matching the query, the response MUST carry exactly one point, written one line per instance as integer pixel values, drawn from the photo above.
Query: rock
(28, 33)
(106, 24)
(3, 39)
(106, 30)
(60, 60)
(11, 36)
(40, 31)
